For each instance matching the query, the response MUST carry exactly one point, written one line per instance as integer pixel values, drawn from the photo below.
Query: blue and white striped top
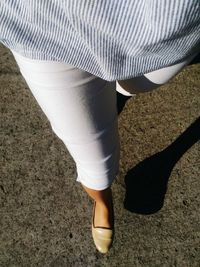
(112, 39)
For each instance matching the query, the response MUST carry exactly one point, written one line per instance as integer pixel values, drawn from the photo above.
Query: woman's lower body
(82, 111)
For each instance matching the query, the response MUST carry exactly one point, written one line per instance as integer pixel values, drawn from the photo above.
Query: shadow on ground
(146, 183)
(45, 214)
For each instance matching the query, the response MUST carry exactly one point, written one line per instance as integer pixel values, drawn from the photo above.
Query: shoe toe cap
(102, 238)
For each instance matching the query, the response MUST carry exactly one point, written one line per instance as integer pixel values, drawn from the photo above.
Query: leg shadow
(121, 101)
(146, 183)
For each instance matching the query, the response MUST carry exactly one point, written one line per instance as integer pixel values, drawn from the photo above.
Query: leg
(82, 112)
(104, 206)
(151, 80)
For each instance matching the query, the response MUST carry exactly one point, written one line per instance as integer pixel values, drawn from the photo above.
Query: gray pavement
(45, 214)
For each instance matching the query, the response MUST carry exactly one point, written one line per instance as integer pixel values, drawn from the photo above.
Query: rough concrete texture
(45, 214)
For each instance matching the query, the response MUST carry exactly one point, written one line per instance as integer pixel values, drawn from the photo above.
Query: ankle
(104, 215)
(105, 205)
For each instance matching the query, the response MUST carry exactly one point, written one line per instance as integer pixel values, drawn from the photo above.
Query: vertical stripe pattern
(114, 40)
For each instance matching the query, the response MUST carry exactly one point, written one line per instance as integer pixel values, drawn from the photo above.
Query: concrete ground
(45, 214)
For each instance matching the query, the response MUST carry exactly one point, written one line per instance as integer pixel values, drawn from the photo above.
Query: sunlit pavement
(45, 214)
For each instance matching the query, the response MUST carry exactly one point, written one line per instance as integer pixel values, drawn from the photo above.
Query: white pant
(82, 111)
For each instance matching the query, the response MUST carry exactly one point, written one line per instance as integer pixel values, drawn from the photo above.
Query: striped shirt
(112, 39)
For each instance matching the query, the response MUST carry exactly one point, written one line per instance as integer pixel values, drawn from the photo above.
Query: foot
(104, 215)
(103, 228)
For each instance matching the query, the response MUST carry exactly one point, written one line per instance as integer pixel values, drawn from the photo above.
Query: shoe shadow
(146, 183)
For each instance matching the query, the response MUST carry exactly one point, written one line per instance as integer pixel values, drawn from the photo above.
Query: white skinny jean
(82, 112)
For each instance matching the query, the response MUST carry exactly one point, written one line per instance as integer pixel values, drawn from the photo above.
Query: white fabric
(112, 39)
(163, 75)
(82, 112)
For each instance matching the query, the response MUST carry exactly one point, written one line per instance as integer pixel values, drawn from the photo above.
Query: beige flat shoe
(102, 236)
